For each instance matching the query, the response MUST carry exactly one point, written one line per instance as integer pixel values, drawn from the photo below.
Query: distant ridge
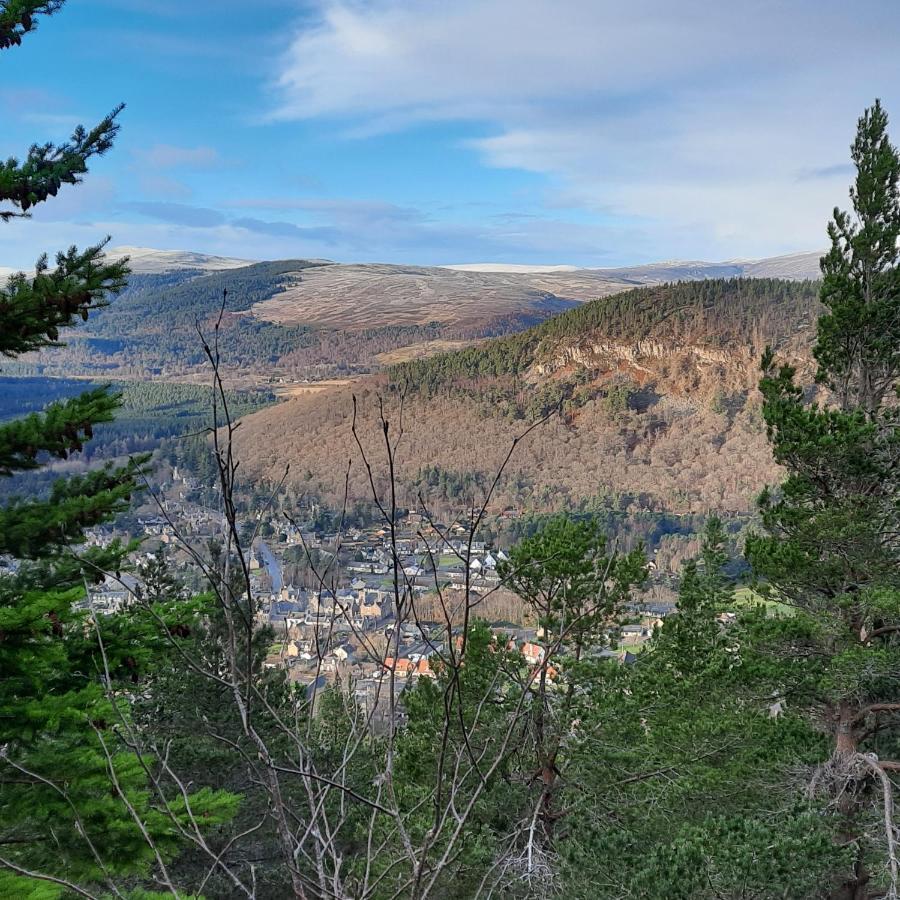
(149, 261)
(508, 267)
(570, 282)
(792, 266)
(311, 319)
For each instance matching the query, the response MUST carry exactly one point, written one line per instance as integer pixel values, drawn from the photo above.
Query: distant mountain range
(358, 296)
(147, 261)
(299, 319)
(793, 266)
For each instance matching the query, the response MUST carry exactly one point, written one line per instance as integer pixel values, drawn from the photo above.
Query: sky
(565, 132)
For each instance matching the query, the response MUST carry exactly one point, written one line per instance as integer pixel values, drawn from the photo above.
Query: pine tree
(858, 347)
(159, 581)
(576, 591)
(831, 546)
(74, 803)
(678, 762)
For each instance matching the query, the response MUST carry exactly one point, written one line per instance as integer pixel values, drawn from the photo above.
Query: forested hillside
(650, 395)
(348, 317)
(150, 415)
(151, 328)
(716, 314)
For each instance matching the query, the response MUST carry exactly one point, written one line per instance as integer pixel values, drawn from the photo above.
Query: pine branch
(60, 430)
(49, 166)
(17, 18)
(31, 529)
(62, 570)
(33, 310)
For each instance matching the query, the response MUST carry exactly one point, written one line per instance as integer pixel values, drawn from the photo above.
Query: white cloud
(170, 156)
(347, 231)
(159, 185)
(698, 123)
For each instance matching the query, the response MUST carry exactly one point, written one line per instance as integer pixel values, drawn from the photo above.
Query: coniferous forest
(574, 726)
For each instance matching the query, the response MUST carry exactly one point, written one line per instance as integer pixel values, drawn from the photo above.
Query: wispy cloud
(688, 121)
(171, 156)
(410, 236)
(352, 213)
(317, 234)
(177, 213)
(838, 170)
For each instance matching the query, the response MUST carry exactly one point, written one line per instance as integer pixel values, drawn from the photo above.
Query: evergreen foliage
(830, 546)
(47, 167)
(716, 313)
(61, 429)
(35, 309)
(75, 803)
(17, 18)
(858, 342)
(683, 775)
(193, 719)
(159, 417)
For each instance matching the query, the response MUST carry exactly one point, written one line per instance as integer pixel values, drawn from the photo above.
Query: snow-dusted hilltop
(148, 261)
(793, 266)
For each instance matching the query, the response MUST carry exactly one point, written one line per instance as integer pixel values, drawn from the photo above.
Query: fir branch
(47, 167)
(17, 18)
(33, 310)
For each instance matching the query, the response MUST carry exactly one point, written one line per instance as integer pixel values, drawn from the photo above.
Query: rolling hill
(366, 296)
(650, 396)
(148, 261)
(297, 320)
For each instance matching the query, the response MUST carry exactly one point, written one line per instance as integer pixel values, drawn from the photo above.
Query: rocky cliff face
(678, 366)
(687, 371)
(595, 354)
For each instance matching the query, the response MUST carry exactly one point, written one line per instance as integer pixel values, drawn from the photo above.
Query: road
(273, 567)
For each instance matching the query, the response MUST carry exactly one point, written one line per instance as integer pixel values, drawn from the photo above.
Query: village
(330, 599)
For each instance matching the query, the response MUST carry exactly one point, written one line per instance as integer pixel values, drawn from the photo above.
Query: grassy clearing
(420, 351)
(746, 596)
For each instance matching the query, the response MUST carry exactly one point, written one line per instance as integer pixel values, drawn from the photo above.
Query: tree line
(716, 313)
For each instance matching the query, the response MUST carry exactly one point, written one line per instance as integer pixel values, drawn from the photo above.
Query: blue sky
(580, 132)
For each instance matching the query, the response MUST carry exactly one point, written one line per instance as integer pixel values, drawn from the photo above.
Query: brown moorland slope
(365, 296)
(651, 397)
(297, 320)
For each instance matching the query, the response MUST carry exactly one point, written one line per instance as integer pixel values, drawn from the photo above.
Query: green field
(745, 596)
